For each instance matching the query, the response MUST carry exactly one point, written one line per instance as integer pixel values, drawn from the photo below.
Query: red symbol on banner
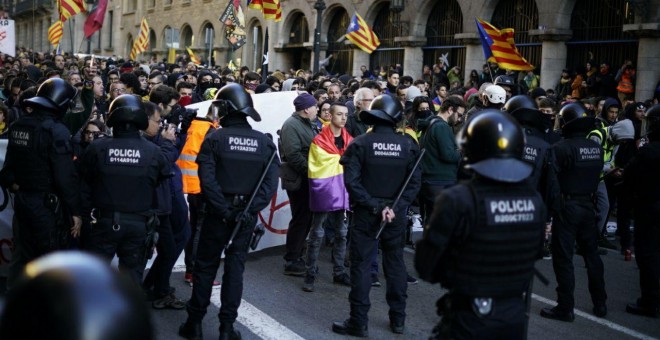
(273, 208)
(3, 35)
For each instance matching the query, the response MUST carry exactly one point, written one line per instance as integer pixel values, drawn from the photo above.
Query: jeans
(336, 221)
(602, 207)
(161, 269)
(301, 220)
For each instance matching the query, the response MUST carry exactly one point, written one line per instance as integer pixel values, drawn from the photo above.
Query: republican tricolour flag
(271, 9)
(498, 46)
(360, 34)
(327, 191)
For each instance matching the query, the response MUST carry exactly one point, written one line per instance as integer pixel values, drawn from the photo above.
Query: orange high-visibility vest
(196, 133)
(626, 83)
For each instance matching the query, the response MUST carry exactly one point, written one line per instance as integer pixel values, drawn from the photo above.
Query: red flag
(95, 19)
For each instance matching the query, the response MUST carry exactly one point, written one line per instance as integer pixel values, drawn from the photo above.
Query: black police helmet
(384, 108)
(523, 109)
(128, 109)
(504, 81)
(575, 118)
(493, 144)
(237, 99)
(55, 95)
(652, 120)
(73, 295)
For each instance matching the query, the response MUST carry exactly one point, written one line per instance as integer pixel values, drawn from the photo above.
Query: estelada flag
(360, 34)
(498, 46)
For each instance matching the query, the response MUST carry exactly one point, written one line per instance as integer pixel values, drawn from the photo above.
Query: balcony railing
(25, 6)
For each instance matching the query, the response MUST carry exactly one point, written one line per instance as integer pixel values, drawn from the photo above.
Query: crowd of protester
(440, 90)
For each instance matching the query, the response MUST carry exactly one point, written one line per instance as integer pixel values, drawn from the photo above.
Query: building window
(110, 22)
(171, 38)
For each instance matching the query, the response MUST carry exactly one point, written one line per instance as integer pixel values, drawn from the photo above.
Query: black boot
(641, 309)
(558, 314)
(347, 327)
(191, 330)
(227, 332)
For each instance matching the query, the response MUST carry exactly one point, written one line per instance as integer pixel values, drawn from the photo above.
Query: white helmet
(495, 94)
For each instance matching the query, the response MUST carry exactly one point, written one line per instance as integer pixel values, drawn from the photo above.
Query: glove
(187, 120)
(236, 215)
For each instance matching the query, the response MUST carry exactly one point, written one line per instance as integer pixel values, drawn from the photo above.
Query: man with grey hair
(362, 99)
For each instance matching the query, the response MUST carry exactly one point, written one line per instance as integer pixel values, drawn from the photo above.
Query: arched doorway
(187, 37)
(298, 36)
(208, 32)
(597, 27)
(387, 26)
(342, 54)
(129, 45)
(170, 38)
(153, 44)
(445, 20)
(253, 49)
(522, 16)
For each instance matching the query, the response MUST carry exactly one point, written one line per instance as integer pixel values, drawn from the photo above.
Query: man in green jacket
(297, 134)
(440, 162)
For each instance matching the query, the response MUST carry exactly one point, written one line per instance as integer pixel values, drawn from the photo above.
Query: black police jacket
(483, 238)
(380, 153)
(231, 161)
(579, 162)
(642, 177)
(120, 174)
(40, 158)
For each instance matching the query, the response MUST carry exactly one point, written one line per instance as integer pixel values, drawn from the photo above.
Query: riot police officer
(641, 179)
(231, 162)
(376, 166)
(579, 162)
(119, 176)
(484, 235)
(39, 169)
(537, 152)
(78, 297)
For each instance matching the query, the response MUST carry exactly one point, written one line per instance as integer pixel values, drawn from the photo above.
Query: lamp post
(319, 6)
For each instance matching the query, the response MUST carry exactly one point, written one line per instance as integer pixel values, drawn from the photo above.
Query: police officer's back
(485, 235)
(376, 165)
(231, 162)
(39, 169)
(578, 163)
(119, 176)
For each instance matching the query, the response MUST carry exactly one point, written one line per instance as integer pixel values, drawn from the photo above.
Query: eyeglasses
(118, 90)
(92, 133)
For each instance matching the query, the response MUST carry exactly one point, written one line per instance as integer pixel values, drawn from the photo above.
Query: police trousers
(576, 223)
(647, 254)
(506, 320)
(362, 245)
(213, 238)
(34, 231)
(126, 239)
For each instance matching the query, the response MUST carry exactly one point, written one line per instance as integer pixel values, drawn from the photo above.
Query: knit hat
(412, 93)
(304, 101)
(538, 92)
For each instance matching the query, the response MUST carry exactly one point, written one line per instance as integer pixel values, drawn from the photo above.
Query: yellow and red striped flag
(69, 8)
(55, 33)
(271, 9)
(498, 46)
(193, 57)
(142, 41)
(360, 34)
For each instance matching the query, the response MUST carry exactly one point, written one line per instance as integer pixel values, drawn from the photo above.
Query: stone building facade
(551, 34)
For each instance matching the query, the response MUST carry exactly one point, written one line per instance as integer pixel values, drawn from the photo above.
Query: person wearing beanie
(538, 94)
(296, 136)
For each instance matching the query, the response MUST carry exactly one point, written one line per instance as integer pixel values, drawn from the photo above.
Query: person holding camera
(233, 161)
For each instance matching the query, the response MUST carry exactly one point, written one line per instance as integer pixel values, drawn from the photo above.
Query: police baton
(239, 223)
(403, 188)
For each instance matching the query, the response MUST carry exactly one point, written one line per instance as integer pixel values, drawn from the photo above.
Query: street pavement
(275, 307)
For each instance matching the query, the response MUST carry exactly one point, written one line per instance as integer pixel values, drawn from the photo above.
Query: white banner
(7, 38)
(6, 214)
(274, 108)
